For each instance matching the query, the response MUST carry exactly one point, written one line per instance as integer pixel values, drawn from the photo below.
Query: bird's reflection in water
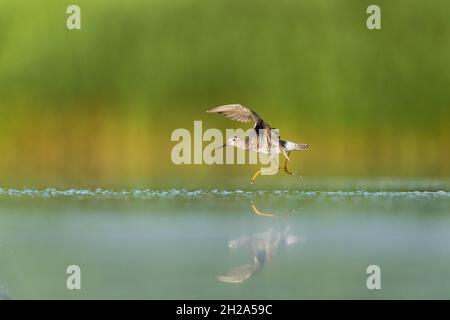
(263, 246)
(4, 295)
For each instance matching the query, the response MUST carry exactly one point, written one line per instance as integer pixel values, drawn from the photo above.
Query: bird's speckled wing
(238, 274)
(238, 112)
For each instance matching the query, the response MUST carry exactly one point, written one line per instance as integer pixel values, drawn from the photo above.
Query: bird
(263, 246)
(262, 139)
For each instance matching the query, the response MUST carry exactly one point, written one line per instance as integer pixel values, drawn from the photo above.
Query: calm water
(174, 243)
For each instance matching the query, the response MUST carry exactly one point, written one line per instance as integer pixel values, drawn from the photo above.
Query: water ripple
(183, 193)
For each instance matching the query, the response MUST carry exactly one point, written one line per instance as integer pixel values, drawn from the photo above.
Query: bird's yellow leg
(259, 213)
(285, 155)
(263, 171)
(258, 173)
(285, 168)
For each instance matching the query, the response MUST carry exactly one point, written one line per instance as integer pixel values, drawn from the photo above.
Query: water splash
(183, 193)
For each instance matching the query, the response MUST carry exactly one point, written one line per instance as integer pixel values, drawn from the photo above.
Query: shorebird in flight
(262, 139)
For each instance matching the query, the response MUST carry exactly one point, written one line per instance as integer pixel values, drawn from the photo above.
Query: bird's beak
(222, 146)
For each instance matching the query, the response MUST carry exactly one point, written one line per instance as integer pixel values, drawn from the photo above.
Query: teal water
(174, 243)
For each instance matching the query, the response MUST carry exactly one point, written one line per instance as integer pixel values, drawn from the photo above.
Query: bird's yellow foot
(288, 172)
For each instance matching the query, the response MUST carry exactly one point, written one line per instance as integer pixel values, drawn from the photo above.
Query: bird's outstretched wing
(238, 274)
(239, 113)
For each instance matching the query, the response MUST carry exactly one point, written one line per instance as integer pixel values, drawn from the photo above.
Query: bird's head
(232, 141)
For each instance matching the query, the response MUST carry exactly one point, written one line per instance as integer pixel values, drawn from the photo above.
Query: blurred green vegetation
(98, 105)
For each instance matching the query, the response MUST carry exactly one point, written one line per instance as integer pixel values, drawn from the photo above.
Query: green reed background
(97, 106)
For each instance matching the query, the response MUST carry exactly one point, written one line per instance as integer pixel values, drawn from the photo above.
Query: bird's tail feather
(290, 146)
(301, 146)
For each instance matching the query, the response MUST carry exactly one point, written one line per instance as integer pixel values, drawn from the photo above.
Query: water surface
(174, 243)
